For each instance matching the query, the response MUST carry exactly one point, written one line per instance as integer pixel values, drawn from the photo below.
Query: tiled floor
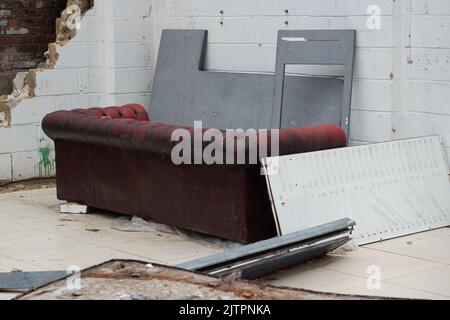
(35, 236)
(414, 266)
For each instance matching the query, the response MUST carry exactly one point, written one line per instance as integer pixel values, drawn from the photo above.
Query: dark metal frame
(265, 257)
(315, 47)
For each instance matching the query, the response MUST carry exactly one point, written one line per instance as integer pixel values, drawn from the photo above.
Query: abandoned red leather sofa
(116, 159)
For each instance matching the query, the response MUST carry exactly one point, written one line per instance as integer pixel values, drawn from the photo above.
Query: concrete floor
(35, 236)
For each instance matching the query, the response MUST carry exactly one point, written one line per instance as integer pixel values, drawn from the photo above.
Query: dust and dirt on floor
(33, 184)
(134, 280)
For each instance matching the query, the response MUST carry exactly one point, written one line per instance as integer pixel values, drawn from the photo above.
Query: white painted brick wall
(5, 141)
(32, 110)
(402, 71)
(57, 82)
(5, 167)
(25, 165)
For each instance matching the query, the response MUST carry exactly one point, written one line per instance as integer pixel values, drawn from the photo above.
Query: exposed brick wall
(26, 28)
(108, 62)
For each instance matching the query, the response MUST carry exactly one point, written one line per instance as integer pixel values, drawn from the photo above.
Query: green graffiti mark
(46, 165)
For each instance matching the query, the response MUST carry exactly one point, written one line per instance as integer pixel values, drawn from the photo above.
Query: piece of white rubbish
(294, 39)
(389, 189)
(73, 208)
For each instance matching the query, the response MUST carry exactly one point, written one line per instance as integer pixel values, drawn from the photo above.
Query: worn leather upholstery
(128, 127)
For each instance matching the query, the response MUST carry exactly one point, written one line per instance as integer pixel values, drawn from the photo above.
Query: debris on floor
(73, 208)
(32, 184)
(265, 257)
(134, 280)
(32, 238)
(137, 224)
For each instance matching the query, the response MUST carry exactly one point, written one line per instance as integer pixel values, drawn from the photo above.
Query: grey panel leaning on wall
(183, 92)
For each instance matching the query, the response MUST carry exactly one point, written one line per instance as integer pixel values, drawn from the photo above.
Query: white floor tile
(393, 291)
(315, 278)
(359, 262)
(435, 281)
(433, 248)
(8, 264)
(8, 296)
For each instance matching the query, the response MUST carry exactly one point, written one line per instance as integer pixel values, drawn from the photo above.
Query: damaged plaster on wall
(67, 25)
(24, 83)
(109, 62)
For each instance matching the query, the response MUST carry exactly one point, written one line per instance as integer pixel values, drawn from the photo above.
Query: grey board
(183, 92)
(29, 280)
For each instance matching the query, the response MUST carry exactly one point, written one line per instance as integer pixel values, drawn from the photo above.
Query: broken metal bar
(265, 257)
(29, 280)
(267, 265)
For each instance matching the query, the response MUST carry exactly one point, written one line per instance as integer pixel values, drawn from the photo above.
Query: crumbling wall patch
(67, 25)
(24, 82)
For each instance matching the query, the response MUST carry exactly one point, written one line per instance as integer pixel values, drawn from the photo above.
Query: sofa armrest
(129, 111)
